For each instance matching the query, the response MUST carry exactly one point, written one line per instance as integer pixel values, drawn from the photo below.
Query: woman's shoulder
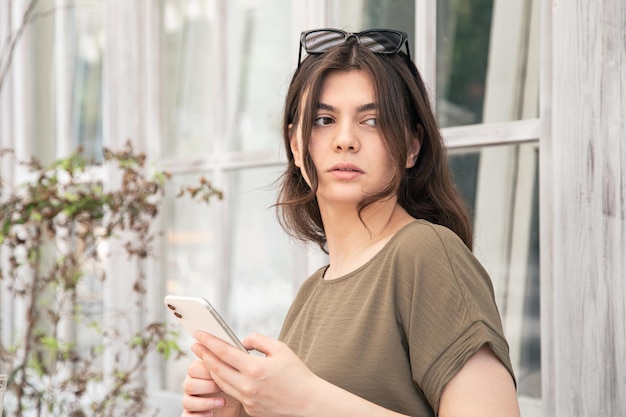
(425, 235)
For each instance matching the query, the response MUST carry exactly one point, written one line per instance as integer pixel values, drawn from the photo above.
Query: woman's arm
(482, 388)
(280, 384)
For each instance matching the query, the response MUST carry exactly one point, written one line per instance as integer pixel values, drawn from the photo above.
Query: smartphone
(196, 313)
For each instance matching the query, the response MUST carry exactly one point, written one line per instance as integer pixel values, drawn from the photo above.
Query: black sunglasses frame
(404, 41)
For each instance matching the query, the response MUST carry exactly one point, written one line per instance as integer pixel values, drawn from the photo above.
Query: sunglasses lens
(382, 42)
(322, 40)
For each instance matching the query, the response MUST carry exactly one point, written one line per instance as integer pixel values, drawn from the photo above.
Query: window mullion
(424, 52)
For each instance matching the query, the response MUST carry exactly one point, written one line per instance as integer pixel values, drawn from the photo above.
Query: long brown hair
(425, 191)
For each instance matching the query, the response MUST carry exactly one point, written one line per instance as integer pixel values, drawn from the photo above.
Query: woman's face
(347, 146)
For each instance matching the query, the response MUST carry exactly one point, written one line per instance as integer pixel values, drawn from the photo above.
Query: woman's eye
(323, 121)
(372, 121)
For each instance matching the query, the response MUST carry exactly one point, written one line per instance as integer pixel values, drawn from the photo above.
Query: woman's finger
(219, 350)
(261, 343)
(196, 386)
(197, 404)
(197, 369)
(226, 364)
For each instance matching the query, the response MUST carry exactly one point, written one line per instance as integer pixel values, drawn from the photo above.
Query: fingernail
(219, 402)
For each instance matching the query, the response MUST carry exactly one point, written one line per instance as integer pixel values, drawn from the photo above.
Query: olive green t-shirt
(398, 328)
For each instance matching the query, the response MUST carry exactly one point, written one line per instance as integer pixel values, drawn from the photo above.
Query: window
(226, 67)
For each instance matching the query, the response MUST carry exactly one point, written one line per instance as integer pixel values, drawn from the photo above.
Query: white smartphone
(196, 313)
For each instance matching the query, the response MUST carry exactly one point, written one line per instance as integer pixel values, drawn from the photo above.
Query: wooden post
(583, 208)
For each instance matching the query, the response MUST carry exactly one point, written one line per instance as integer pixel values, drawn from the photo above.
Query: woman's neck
(352, 241)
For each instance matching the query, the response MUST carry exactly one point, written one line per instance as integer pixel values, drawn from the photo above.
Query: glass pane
(86, 47)
(232, 252)
(264, 268)
(225, 75)
(39, 50)
(500, 185)
(188, 71)
(260, 50)
(367, 14)
(465, 169)
(72, 89)
(191, 240)
(81, 107)
(487, 61)
(529, 378)
(189, 259)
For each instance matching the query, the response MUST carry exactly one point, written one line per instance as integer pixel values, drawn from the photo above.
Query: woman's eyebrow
(367, 107)
(360, 109)
(327, 107)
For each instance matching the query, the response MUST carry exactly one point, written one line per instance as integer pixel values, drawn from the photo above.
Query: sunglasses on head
(380, 41)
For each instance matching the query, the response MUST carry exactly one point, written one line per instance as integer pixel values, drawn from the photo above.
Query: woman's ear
(414, 148)
(296, 145)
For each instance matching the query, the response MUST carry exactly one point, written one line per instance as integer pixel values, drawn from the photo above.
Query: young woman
(402, 321)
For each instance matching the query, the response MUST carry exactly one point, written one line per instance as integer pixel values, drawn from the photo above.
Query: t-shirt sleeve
(449, 311)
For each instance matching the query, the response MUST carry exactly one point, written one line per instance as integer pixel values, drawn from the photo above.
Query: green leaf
(167, 347)
(36, 366)
(6, 227)
(99, 349)
(50, 343)
(136, 341)
(71, 196)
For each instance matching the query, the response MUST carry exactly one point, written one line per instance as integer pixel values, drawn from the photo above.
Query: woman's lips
(345, 171)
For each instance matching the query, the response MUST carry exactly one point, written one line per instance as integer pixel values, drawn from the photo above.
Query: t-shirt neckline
(369, 261)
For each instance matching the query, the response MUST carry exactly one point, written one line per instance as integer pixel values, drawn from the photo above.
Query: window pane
(367, 14)
(39, 76)
(487, 61)
(500, 184)
(191, 240)
(67, 92)
(226, 74)
(86, 46)
(232, 252)
(260, 50)
(265, 265)
(465, 169)
(188, 92)
(189, 259)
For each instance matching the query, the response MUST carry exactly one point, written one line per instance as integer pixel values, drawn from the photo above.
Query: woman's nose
(346, 138)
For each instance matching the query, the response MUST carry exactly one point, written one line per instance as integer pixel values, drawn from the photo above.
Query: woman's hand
(276, 384)
(202, 396)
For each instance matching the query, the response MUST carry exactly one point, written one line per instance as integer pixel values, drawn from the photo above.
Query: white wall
(583, 203)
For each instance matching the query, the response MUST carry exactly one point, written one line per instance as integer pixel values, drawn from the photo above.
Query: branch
(12, 40)
(8, 49)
